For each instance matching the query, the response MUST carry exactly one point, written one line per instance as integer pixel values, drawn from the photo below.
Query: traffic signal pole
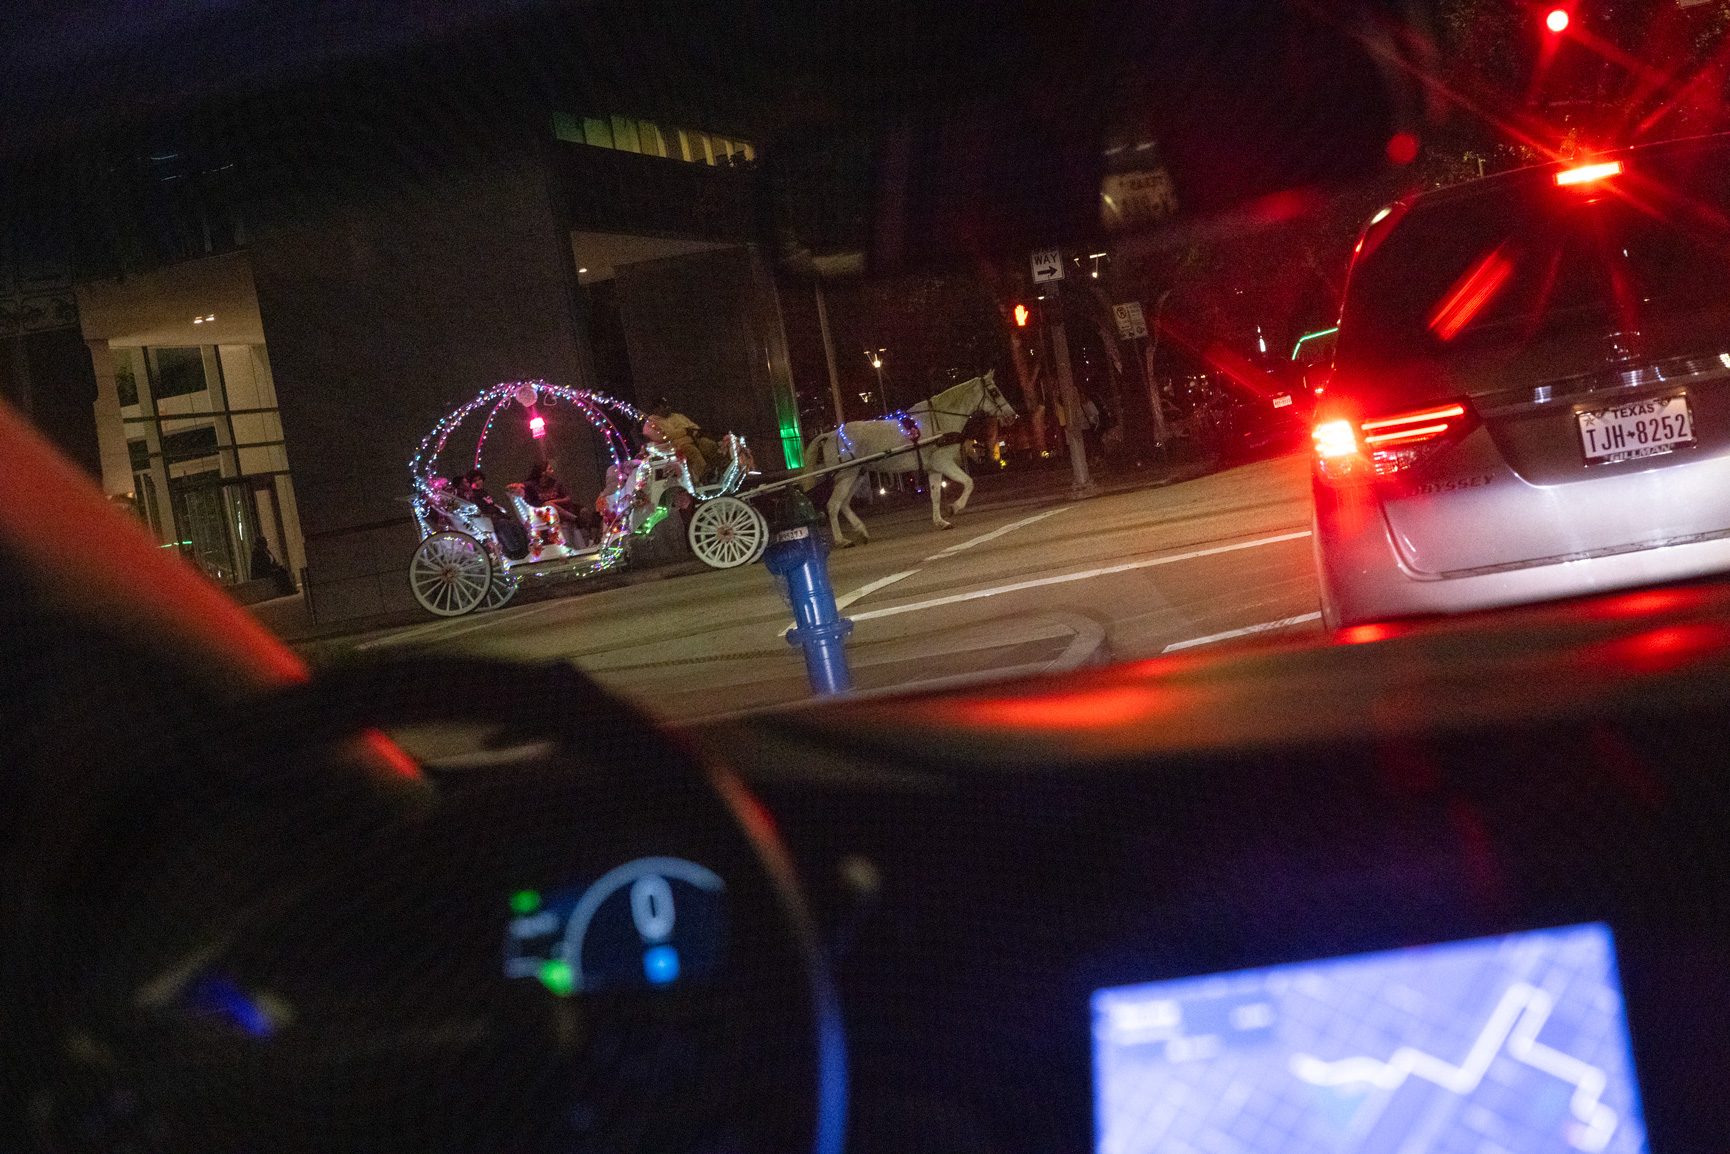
(1083, 483)
(829, 356)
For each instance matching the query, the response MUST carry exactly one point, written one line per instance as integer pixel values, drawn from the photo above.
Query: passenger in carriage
(680, 433)
(543, 487)
(512, 537)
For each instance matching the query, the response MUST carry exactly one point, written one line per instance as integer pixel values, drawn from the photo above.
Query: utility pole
(1152, 350)
(1083, 483)
(829, 354)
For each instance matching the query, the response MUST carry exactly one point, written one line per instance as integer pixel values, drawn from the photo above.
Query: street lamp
(876, 359)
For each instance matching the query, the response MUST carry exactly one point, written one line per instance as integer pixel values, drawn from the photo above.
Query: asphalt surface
(1027, 581)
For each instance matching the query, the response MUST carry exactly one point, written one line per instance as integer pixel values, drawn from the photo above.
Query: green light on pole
(557, 977)
(525, 902)
(1308, 337)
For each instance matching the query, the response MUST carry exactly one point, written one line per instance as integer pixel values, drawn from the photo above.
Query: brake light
(1411, 426)
(1587, 173)
(1348, 450)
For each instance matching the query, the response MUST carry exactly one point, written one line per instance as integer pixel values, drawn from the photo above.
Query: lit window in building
(628, 134)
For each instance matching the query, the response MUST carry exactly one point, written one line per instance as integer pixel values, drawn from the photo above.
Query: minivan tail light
(1348, 450)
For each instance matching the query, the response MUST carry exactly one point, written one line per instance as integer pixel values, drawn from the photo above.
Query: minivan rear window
(1459, 274)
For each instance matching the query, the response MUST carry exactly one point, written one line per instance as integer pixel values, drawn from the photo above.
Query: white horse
(947, 412)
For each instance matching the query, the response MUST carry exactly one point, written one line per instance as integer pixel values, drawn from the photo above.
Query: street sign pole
(1153, 389)
(1160, 432)
(1048, 271)
(1083, 481)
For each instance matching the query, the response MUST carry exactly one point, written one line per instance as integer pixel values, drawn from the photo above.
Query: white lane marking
(994, 534)
(884, 582)
(405, 634)
(496, 617)
(1085, 575)
(880, 583)
(1264, 627)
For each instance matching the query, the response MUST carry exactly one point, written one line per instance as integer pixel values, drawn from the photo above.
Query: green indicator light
(525, 902)
(557, 977)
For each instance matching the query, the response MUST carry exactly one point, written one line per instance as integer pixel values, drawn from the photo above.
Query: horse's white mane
(929, 403)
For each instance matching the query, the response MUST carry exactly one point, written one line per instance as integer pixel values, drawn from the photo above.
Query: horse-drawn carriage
(462, 564)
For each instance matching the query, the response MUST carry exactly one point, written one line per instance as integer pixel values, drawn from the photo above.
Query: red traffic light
(1557, 20)
(1021, 315)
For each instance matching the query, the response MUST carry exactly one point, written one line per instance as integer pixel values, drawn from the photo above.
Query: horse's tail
(812, 458)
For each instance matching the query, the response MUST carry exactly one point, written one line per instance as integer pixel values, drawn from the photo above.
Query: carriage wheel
(450, 574)
(726, 532)
(500, 590)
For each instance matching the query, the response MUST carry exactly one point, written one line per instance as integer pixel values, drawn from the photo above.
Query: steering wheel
(575, 939)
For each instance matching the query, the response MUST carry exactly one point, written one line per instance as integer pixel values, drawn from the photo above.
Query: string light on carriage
(592, 405)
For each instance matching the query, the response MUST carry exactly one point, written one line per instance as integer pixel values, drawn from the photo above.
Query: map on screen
(1515, 1044)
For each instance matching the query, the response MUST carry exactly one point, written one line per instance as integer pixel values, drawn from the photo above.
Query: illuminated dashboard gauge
(646, 924)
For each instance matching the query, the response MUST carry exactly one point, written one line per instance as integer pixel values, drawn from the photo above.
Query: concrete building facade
(258, 404)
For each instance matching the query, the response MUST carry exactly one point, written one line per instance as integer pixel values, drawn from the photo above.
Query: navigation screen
(1515, 1045)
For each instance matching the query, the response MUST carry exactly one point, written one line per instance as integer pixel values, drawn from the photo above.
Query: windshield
(747, 362)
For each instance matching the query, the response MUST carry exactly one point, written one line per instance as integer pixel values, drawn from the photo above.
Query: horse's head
(993, 401)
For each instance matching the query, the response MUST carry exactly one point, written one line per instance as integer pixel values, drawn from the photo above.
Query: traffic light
(1557, 20)
(1021, 315)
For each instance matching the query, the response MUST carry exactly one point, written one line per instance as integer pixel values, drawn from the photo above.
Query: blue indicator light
(661, 964)
(214, 994)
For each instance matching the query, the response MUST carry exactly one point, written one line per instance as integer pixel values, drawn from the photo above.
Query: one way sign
(1047, 265)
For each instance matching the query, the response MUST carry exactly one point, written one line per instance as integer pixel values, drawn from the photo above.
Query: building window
(210, 468)
(124, 382)
(175, 372)
(189, 445)
(627, 134)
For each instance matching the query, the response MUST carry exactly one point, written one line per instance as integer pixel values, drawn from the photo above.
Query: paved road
(1022, 584)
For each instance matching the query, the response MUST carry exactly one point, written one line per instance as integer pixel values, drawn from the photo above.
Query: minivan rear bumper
(1363, 578)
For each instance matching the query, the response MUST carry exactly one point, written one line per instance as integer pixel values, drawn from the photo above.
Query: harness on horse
(910, 429)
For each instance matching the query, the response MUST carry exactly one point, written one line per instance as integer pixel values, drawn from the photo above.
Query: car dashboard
(1296, 898)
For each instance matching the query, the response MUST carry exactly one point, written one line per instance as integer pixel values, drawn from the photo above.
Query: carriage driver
(680, 433)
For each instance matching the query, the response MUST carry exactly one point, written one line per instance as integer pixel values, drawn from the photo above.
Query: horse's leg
(936, 482)
(852, 517)
(951, 467)
(838, 502)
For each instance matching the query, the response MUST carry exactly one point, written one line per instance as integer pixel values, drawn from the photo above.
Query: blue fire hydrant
(799, 559)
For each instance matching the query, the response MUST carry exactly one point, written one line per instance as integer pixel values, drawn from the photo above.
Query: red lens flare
(1470, 294)
(1588, 173)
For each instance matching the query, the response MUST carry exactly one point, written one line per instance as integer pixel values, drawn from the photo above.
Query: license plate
(1638, 429)
(1283, 401)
